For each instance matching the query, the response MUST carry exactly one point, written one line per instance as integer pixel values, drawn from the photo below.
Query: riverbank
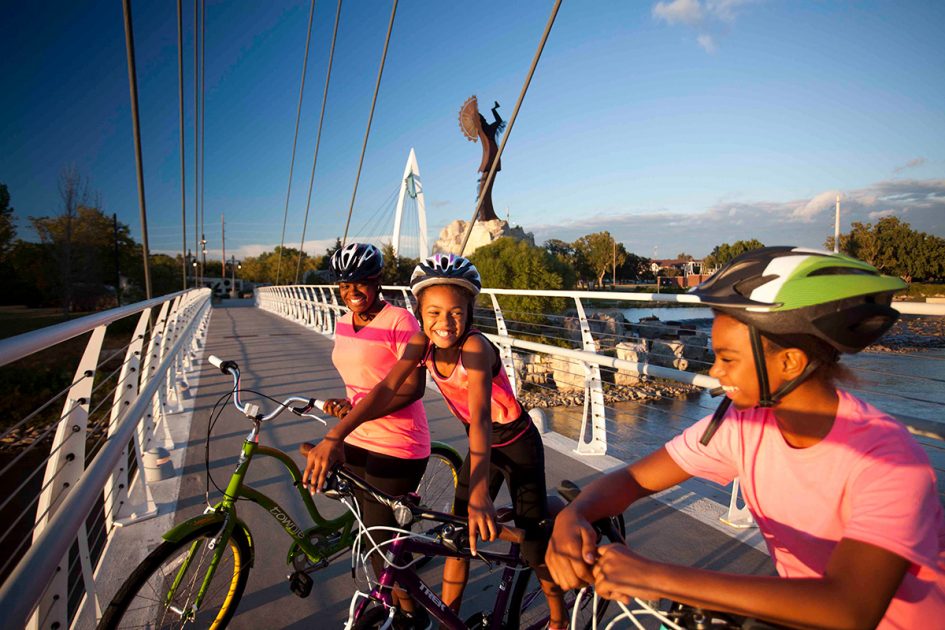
(533, 397)
(912, 333)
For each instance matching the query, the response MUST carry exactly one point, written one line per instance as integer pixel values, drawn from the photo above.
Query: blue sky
(676, 125)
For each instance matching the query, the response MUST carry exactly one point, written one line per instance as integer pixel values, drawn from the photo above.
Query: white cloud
(804, 222)
(913, 163)
(678, 11)
(707, 43)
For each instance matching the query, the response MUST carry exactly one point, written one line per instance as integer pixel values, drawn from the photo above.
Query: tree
(263, 268)
(684, 256)
(636, 267)
(397, 269)
(7, 227)
(598, 250)
(893, 247)
(511, 264)
(724, 253)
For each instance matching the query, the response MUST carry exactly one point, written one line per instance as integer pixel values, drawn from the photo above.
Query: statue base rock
(484, 232)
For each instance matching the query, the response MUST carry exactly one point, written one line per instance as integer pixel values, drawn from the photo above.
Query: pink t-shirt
(363, 359)
(455, 389)
(867, 480)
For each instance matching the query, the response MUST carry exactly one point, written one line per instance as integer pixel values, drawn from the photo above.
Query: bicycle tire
(437, 487)
(139, 601)
(529, 609)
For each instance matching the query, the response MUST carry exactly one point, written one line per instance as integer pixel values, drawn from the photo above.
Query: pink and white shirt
(867, 480)
(363, 359)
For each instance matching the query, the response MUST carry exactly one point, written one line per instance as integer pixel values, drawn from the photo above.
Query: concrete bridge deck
(281, 359)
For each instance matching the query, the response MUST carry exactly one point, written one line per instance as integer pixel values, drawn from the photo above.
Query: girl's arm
(572, 550)
(478, 358)
(858, 584)
(374, 405)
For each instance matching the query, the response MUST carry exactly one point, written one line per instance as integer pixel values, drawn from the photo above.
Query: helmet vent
(745, 287)
(842, 271)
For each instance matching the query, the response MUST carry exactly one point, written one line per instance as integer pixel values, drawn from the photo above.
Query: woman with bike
(391, 450)
(503, 442)
(844, 496)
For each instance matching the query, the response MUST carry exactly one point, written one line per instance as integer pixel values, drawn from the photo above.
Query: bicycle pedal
(300, 584)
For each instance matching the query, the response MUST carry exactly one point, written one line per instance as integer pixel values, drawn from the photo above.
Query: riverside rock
(484, 233)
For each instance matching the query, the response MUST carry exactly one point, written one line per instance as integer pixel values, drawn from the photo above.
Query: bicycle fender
(178, 532)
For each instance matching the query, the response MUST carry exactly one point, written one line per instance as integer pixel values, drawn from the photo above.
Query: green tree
(684, 256)
(7, 226)
(601, 253)
(511, 264)
(893, 247)
(263, 268)
(397, 269)
(635, 267)
(723, 253)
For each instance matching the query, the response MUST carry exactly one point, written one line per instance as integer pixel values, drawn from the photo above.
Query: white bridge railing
(591, 352)
(73, 492)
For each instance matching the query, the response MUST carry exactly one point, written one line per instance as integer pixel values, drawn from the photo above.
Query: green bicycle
(198, 574)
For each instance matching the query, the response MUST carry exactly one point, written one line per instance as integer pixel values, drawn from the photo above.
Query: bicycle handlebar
(251, 410)
(405, 507)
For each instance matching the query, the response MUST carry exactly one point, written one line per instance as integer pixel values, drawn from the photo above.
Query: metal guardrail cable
(40, 467)
(318, 137)
(295, 140)
(367, 132)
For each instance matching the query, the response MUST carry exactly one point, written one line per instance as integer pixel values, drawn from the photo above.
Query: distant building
(679, 272)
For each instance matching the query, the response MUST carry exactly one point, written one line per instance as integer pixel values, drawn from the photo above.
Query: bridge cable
(203, 111)
(136, 130)
(367, 132)
(183, 183)
(318, 140)
(295, 139)
(197, 276)
(508, 130)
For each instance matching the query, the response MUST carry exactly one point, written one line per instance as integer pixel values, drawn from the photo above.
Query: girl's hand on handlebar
(572, 550)
(621, 575)
(482, 519)
(338, 407)
(320, 460)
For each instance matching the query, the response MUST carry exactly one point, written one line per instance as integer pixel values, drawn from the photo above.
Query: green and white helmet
(791, 290)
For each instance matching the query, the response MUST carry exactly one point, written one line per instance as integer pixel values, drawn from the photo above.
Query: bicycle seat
(305, 447)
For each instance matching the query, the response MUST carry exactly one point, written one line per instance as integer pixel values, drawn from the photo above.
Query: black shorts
(521, 464)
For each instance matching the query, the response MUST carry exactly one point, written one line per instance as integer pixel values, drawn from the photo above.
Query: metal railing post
(593, 442)
(505, 350)
(63, 470)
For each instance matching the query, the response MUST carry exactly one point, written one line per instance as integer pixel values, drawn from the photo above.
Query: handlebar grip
(215, 361)
(223, 366)
(319, 404)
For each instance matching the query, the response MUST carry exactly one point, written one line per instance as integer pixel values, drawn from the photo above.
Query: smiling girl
(845, 498)
(503, 442)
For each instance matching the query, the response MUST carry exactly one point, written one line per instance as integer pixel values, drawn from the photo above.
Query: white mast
(836, 228)
(410, 184)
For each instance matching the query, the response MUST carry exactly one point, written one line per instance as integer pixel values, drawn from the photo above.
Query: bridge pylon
(411, 185)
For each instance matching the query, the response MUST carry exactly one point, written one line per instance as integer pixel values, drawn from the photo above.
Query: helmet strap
(716, 420)
(791, 385)
(761, 369)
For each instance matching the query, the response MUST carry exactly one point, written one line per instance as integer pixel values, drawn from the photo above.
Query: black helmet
(445, 269)
(791, 290)
(356, 262)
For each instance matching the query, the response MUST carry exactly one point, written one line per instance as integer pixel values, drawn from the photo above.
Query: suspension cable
(183, 183)
(295, 139)
(318, 139)
(197, 276)
(367, 132)
(203, 111)
(139, 167)
(508, 130)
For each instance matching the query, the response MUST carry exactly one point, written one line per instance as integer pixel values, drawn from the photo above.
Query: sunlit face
(359, 297)
(444, 310)
(734, 363)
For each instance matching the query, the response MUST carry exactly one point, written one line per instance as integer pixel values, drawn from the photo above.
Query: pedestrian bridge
(79, 515)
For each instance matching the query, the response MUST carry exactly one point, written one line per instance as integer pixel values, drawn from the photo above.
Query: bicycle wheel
(438, 485)
(160, 592)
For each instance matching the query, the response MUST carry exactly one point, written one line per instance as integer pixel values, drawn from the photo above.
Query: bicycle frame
(409, 581)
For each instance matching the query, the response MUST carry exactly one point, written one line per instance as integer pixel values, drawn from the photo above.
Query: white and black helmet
(446, 269)
(356, 262)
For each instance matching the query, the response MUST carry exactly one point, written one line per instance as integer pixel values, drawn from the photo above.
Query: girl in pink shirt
(845, 498)
(503, 442)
